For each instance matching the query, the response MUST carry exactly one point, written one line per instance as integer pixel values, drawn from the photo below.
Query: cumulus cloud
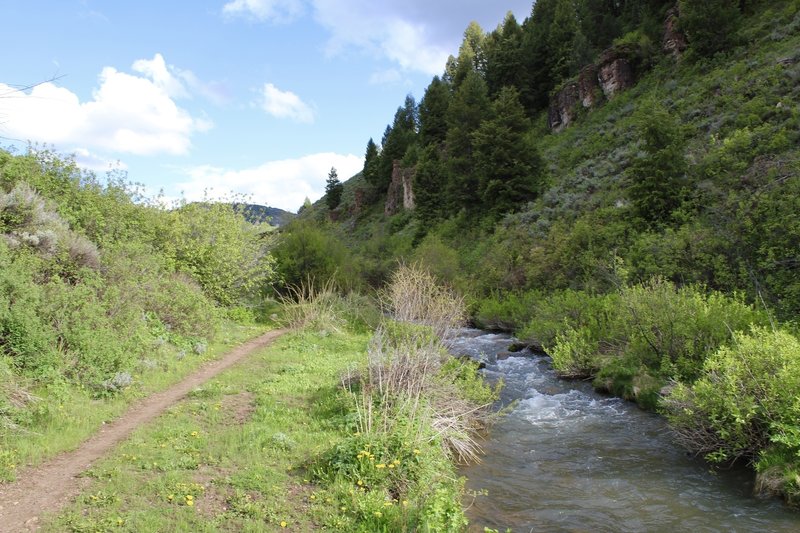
(126, 114)
(284, 184)
(285, 104)
(96, 162)
(417, 35)
(179, 83)
(276, 11)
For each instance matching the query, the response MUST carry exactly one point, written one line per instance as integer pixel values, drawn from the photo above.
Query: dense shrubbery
(746, 406)
(93, 278)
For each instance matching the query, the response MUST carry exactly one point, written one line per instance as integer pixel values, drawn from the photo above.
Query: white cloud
(386, 77)
(417, 35)
(126, 114)
(283, 184)
(285, 104)
(96, 162)
(276, 11)
(179, 83)
(162, 76)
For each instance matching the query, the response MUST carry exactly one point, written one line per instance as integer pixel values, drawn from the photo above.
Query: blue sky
(213, 97)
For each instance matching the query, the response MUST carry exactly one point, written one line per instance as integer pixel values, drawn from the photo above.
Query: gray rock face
(614, 73)
(400, 194)
(562, 107)
(674, 41)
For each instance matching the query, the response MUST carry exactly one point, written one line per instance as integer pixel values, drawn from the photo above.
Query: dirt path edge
(50, 486)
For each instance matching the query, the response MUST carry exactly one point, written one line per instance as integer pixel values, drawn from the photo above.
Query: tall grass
(404, 383)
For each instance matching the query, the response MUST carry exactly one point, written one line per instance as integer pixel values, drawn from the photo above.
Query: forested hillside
(619, 182)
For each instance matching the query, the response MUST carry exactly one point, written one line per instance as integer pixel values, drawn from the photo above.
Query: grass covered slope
(104, 296)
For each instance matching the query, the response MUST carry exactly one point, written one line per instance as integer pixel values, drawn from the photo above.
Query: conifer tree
(658, 176)
(433, 112)
(508, 166)
(469, 107)
(709, 24)
(333, 189)
(370, 163)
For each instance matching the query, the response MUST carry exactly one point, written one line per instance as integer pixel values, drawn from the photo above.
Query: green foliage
(658, 177)
(433, 112)
(223, 253)
(508, 166)
(709, 24)
(507, 311)
(333, 190)
(435, 256)
(745, 405)
(306, 252)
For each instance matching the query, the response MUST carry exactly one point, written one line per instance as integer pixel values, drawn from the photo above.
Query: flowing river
(568, 459)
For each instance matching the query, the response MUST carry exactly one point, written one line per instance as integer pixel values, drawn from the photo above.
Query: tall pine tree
(333, 189)
(509, 167)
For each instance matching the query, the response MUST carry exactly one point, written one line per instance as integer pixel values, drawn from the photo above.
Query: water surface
(568, 459)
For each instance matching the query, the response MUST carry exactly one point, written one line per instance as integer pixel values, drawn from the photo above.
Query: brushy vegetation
(100, 287)
(416, 411)
(651, 232)
(335, 426)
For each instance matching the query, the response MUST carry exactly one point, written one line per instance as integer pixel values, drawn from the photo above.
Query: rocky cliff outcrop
(614, 72)
(563, 107)
(610, 75)
(674, 40)
(401, 190)
(588, 86)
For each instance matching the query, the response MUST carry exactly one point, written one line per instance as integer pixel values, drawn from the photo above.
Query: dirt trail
(50, 486)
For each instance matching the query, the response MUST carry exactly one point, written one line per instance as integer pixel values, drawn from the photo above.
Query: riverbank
(723, 371)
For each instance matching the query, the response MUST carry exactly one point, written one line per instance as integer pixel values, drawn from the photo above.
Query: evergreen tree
(709, 24)
(659, 174)
(536, 81)
(333, 189)
(429, 182)
(471, 56)
(504, 56)
(396, 140)
(370, 163)
(508, 166)
(469, 107)
(433, 112)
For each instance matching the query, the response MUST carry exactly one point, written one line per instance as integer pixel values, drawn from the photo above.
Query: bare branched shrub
(413, 295)
(313, 305)
(403, 385)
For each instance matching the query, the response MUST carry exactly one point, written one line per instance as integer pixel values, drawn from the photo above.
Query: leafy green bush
(212, 243)
(672, 330)
(308, 254)
(508, 311)
(746, 404)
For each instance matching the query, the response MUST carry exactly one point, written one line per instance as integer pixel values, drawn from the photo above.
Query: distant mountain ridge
(257, 214)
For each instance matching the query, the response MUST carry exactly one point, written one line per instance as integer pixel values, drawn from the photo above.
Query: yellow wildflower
(380, 465)
(283, 523)
(378, 514)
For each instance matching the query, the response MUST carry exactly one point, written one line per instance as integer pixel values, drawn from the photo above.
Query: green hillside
(626, 197)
